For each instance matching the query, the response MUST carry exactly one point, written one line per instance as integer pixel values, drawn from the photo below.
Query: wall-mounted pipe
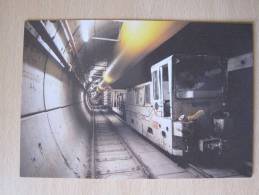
(41, 30)
(70, 36)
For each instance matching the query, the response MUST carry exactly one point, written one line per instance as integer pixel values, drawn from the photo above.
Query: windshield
(199, 77)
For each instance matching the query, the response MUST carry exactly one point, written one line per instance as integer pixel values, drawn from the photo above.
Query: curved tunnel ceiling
(100, 45)
(195, 38)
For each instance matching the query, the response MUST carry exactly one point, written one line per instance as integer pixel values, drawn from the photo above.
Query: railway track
(203, 172)
(111, 156)
(195, 170)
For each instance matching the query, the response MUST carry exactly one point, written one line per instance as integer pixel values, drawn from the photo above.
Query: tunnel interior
(60, 66)
(54, 139)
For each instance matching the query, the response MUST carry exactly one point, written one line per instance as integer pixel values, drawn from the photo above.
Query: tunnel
(54, 118)
(78, 74)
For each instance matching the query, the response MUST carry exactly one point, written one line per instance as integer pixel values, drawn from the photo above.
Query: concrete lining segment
(54, 144)
(55, 123)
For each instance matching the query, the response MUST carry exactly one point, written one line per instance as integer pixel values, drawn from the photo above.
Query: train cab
(187, 99)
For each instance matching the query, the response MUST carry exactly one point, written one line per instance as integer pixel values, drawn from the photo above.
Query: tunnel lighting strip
(85, 28)
(105, 39)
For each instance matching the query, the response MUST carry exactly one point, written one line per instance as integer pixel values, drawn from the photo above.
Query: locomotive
(183, 108)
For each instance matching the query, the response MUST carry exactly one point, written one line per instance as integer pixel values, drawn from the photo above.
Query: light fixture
(85, 28)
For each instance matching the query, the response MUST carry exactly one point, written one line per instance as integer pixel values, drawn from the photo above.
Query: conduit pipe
(71, 39)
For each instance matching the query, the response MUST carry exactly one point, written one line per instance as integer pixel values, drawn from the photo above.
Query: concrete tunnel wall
(55, 123)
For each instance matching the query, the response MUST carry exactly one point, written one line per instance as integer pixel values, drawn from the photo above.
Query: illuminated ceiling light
(90, 79)
(138, 36)
(85, 28)
(107, 78)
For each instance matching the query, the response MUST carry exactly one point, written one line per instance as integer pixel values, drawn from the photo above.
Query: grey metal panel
(241, 62)
(58, 87)
(33, 77)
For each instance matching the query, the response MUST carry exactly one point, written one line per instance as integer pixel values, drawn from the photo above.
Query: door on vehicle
(161, 85)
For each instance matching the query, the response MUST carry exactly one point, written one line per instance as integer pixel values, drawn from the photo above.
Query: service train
(183, 108)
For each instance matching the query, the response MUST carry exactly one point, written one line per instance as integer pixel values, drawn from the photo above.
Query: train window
(165, 72)
(115, 99)
(137, 96)
(147, 94)
(206, 80)
(155, 85)
(160, 82)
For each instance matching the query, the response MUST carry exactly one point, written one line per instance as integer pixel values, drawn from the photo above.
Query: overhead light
(105, 39)
(90, 79)
(85, 28)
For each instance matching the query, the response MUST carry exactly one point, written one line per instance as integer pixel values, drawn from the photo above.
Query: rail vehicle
(117, 102)
(183, 109)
